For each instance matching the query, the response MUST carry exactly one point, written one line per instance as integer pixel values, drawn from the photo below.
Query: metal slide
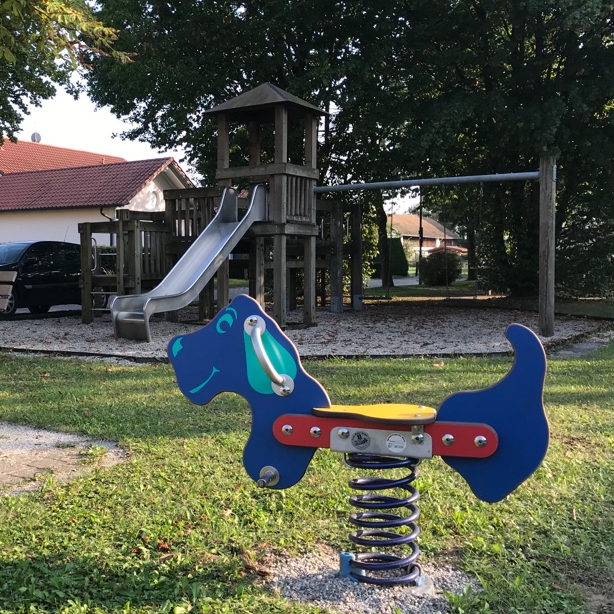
(194, 269)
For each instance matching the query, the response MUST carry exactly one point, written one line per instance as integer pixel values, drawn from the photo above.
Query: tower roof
(260, 102)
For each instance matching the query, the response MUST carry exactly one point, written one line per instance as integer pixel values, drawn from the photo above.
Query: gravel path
(393, 329)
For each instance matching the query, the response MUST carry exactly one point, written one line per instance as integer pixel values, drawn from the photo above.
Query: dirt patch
(29, 455)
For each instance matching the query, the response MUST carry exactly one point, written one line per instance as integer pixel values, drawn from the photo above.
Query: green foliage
(416, 89)
(398, 260)
(440, 269)
(41, 43)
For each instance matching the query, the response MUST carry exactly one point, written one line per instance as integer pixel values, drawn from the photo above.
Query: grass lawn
(180, 527)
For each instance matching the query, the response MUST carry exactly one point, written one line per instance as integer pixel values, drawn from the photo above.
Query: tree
(422, 88)
(511, 81)
(42, 42)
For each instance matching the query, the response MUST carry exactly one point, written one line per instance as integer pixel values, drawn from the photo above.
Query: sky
(77, 124)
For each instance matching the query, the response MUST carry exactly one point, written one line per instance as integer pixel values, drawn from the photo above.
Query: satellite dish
(36, 137)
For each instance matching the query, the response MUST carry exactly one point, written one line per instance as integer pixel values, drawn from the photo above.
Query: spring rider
(495, 438)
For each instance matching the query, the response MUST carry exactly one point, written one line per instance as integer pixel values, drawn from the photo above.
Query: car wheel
(11, 307)
(39, 308)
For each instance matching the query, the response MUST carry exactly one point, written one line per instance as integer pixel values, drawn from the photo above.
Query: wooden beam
(223, 145)
(223, 295)
(336, 260)
(256, 265)
(309, 281)
(547, 208)
(281, 134)
(279, 280)
(264, 171)
(356, 267)
(85, 279)
(311, 141)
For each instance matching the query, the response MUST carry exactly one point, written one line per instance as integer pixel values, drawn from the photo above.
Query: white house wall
(52, 225)
(151, 197)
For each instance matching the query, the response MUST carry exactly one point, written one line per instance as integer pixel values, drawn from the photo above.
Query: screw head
(418, 438)
(343, 433)
(480, 441)
(447, 439)
(315, 431)
(285, 391)
(286, 429)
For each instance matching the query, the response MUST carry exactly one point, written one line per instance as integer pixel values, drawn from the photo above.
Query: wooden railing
(301, 201)
(189, 211)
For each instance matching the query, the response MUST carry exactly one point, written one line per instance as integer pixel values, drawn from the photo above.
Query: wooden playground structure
(300, 235)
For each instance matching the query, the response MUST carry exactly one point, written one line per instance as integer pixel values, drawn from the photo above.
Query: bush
(398, 260)
(440, 269)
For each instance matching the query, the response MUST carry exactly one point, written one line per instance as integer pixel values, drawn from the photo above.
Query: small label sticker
(361, 440)
(396, 442)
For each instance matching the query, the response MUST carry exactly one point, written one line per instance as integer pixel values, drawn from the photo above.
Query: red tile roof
(408, 225)
(85, 186)
(28, 156)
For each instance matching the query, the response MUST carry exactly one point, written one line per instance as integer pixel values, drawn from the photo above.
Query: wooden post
(223, 298)
(336, 259)
(547, 199)
(279, 279)
(87, 314)
(281, 134)
(309, 280)
(223, 147)
(311, 141)
(256, 264)
(356, 271)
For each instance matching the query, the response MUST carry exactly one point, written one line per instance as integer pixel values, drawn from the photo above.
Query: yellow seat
(386, 413)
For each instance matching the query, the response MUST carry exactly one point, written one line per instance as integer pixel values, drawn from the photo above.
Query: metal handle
(283, 384)
(258, 327)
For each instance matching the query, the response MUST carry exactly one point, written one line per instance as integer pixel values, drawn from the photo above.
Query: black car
(47, 274)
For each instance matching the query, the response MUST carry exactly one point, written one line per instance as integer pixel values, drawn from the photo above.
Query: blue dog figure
(243, 350)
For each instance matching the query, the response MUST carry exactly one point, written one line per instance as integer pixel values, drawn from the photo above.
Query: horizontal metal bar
(410, 183)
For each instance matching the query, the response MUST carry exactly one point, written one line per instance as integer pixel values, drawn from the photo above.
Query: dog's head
(224, 357)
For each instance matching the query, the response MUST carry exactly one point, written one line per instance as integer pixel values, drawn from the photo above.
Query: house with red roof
(48, 202)
(28, 156)
(435, 236)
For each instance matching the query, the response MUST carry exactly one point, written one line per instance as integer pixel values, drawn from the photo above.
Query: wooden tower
(281, 144)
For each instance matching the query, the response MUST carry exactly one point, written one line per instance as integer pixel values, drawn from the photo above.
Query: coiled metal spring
(377, 528)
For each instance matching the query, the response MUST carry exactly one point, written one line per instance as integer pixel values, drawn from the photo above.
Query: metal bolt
(343, 433)
(418, 438)
(269, 477)
(252, 320)
(285, 391)
(480, 441)
(315, 431)
(286, 429)
(447, 439)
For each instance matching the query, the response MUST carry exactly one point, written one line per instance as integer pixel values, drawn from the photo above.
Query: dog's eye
(224, 324)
